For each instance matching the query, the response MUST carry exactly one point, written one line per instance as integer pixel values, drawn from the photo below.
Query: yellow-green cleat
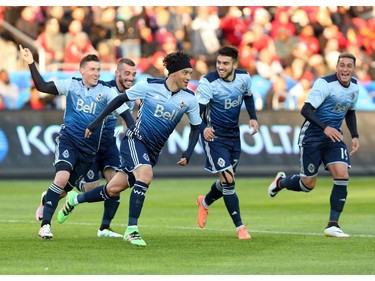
(132, 235)
(68, 207)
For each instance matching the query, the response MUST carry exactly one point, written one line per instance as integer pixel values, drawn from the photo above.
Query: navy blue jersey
(224, 100)
(160, 111)
(82, 106)
(110, 124)
(332, 101)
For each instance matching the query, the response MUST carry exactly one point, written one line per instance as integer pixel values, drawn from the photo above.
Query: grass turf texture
(287, 233)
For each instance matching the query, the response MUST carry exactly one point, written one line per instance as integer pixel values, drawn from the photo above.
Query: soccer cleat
(39, 211)
(68, 207)
(108, 233)
(132, 235)
(243, 234)
(202, 212)
(335, 231)
(273, 189)
(45, 232)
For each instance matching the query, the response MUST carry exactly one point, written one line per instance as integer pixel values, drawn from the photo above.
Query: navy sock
(137, 197)
(51, 200)
(96, 194)
(110, 207)
(215, 193)
(338, 199)
(294, 183)
(232, 203)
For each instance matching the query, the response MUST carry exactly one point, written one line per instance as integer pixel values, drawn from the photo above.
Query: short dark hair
(347, 55)
(126, 61)
(88, 58)
(229, 51)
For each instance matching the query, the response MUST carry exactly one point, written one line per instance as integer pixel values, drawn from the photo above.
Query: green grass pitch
(287, 233)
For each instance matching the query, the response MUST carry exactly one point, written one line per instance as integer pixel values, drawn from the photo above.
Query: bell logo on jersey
(339, 107)
(87, 108)
(228, 103)
(159, 112)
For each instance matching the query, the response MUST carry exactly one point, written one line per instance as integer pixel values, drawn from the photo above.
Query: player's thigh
(310, 160)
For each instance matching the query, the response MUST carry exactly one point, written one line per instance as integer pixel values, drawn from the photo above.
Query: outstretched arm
(113, 105)
(40, 84)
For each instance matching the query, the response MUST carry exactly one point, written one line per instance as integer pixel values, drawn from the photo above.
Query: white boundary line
(205, 229)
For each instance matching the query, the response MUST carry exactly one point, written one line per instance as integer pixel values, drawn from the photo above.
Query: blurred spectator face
(52, 26)
(79, 14)
(28, 14)
(4, 77)
(75, 26)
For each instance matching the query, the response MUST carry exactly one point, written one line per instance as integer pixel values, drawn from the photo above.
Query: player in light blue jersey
(164, 101)
(107, 160)
(331, 100)
(85, 99)
(220, 95)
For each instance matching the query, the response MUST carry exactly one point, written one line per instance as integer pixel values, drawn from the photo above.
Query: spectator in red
(282, 20)
(307, 36)
(76, 49)
(233, 26)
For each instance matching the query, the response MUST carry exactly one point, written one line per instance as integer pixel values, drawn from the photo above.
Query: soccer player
(221, 94)
(74, 155)
(164, 101)
(107, 160)
(332, 99)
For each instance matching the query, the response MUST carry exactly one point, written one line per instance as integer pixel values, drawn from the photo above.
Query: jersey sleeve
(318, 93)
(138, 91)
(63, 86)
(204, 91)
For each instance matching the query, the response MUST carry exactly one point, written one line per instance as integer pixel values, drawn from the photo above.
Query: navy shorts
(222, 153)
(67, 151)
(134, 153)
(312, 157)
(108, 156)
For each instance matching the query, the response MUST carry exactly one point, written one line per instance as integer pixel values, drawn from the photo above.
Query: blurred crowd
(284, 48)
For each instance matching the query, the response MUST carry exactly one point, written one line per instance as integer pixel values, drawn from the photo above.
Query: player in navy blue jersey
(221, 94)
(331, 100)
(164, 101)
(74, 155)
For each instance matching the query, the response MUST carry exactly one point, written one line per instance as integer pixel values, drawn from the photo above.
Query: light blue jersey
(224, 100)
(332, 101)
(82, 106)
(160, 111)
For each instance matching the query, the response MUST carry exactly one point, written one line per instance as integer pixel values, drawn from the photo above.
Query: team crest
(353, 96)
(66, 154)
(90, 174)
(182, 105)
(221, 162)
(145, 156)
(242, 87)
(99, 97)
(311, 168)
